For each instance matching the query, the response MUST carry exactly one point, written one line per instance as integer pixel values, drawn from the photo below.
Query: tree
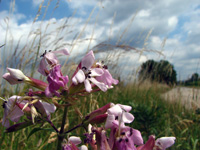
(194, 77)
(161, 71)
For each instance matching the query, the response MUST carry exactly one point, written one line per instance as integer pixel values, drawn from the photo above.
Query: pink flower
(11, 110)
(56, 81)
(44, 108)
(72, 143)
(124, 138)
(101, 141)
(160, 144)
(118, 114)
(86, 74)
(106, 77)
(50, 59)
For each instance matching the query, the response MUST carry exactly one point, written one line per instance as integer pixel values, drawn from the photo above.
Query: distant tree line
(194, 80)
(161, 71)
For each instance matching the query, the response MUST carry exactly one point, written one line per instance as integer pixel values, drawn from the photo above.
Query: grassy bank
(153, 115)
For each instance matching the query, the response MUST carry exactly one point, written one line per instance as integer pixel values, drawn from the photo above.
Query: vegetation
(153, 114)
(162, 72)
(194, 80)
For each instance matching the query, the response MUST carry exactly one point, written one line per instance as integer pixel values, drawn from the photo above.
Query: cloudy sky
(80, 25)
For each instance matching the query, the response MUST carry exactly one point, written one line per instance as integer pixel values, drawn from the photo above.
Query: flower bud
(98, 114)
(15, 76)
(18, 126)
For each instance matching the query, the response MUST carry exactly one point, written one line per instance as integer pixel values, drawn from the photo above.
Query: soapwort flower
(106, 77)
(11, 110)
(72, 143)
(87, 74)
(54, 75)
(49, 60)
(118, 114)
(124, 138)
(56, 81)
(17, 106)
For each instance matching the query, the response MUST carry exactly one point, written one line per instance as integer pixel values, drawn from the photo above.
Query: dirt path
(190, 97)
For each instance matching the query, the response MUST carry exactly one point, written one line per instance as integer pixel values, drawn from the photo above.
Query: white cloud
(172, 21)
(37, 2)
(144, 13)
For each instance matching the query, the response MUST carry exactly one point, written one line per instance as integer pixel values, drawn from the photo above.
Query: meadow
(153, 114)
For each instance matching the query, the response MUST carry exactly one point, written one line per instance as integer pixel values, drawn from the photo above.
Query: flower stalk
(61, 134)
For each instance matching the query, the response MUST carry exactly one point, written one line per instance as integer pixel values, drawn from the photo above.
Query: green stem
(74, 128)
(61, 134)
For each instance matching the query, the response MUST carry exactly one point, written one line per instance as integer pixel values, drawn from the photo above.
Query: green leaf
(39, 129)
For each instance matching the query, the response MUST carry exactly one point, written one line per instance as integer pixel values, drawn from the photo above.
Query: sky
(144, 25)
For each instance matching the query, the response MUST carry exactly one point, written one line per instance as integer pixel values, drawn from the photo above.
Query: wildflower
(44, 108)
(121, 136)
(124, 138)
(50, 59)
(118, 114)
(86, 74)
(56, 80)
(11, 110)
(159, 144)
(72, 142)
(101, 139)
(91, 137)
(106, 77)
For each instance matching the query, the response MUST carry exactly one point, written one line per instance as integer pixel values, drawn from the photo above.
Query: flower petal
(15, 114)
(88, 86)
(80, 76)
(101, 85)
(43, 67)
(88, 60)
(74, 139)
(96, 72)
(165, 142)
(48, 93)
(83, 147)
(51, 58)
(115, 110)
(127, 117)
(136, 137)
(125, 107)
(109, 121)
(62, 51)
(74, 80)
(50, 108)
(107, 78)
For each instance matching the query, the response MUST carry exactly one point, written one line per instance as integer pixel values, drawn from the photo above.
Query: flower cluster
(121, 137)
(60, 90)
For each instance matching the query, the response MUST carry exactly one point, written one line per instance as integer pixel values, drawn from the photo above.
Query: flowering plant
(90, 76)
